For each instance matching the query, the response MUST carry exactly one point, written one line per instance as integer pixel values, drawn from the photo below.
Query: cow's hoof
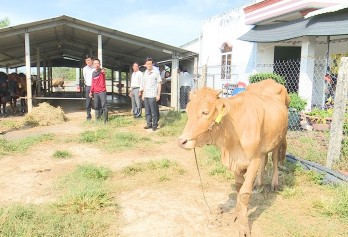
(258, 189)
(244, 231)
(274, 188)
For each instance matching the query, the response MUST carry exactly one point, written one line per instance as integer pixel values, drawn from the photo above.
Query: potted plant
(320, 119)
(297, 104)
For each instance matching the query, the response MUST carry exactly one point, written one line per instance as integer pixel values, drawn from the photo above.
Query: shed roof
(66, 40)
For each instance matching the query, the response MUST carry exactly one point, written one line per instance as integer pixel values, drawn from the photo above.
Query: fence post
(336, 133)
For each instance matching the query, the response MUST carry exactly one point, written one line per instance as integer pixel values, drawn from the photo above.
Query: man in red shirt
(98, 88)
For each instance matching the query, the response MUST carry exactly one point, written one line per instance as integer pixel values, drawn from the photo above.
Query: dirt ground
(173, 208)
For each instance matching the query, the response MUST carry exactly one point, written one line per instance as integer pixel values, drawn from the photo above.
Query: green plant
(296, 102)
(263, 76)
(90, 171)
(320, 116)
(62, 154)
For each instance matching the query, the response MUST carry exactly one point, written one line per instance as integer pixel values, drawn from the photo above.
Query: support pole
(127, 80)
(7, 70)
(44, 75)
(338, 118)
(28, 71)
(38, 76)
(100, 49)
(119, 84)
(112, 83)
(175, 83)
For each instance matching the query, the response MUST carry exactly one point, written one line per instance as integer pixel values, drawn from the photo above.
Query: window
(226, 60)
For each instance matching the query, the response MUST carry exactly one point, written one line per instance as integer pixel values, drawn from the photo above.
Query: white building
(289, 37)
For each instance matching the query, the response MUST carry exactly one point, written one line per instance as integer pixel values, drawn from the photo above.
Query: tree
(5, 22)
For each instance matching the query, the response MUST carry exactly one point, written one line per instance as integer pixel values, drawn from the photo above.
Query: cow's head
(204, 110)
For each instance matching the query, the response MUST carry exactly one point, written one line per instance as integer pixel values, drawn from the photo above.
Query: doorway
(287, 64)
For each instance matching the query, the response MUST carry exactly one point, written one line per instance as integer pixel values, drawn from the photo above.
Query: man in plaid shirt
(151, 91)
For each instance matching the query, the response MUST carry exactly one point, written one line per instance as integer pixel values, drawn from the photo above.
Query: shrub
(296, 102)
(263, 76)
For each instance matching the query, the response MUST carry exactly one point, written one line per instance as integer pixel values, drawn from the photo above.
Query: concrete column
(119, 83)
(28, 71)
(7, 70)
(112, 83)
(175, 84)
(307, 69)
(129, 74)
(100, 49)
(38, 76)
(44, 75)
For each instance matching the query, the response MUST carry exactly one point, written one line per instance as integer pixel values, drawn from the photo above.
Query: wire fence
(315, 90)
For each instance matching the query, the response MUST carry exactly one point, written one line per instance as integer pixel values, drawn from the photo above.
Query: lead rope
(218, 216)
(200, 179)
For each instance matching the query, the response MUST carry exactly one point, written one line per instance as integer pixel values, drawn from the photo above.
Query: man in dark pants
(98, 88)
(87, 76)
(151, 89)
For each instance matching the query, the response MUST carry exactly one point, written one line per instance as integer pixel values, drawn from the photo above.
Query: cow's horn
(218, 92)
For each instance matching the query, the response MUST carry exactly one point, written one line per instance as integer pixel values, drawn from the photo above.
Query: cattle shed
(64, 41)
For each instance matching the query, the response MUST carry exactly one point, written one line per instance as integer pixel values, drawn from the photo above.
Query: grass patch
(120, 121)
(85, 209)
(112, 140)
(215, 166)
(85, 190)
(335, 205)
(90, 171)
(172, 124)
(158, 170)
(22, 145)
(62, 154)
(124, 140)
(94, 136)
(10, 124)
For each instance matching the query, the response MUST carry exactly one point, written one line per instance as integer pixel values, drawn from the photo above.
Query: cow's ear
(223, 107)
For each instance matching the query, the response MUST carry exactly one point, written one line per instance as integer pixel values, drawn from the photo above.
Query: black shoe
(154, 128)
(147, 127)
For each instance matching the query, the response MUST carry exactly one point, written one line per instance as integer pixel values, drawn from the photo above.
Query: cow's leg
(239, 178)
(282, 154)
(275, 158)
(261, 175)
(244, 197)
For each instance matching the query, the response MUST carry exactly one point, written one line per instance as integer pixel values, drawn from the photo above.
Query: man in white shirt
(151, 88)
(87, 76)
(135, 94)
(186, 85)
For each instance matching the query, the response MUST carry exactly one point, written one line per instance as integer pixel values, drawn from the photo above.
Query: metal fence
(312, 91)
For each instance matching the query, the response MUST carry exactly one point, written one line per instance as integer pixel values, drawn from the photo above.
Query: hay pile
(44, 115)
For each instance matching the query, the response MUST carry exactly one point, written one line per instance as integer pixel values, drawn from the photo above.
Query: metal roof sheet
(67, 37)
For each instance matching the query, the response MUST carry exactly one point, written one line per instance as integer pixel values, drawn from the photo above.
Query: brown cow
(272, 88)
(245, 127)
(58, 82)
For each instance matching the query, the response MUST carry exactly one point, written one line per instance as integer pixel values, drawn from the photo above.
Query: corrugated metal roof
(328, 24)
(69, 37)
